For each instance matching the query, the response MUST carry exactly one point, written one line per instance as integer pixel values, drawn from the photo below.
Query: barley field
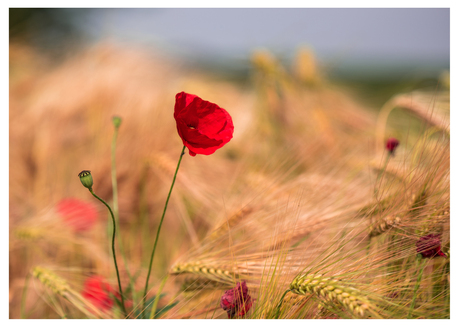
(307, 213)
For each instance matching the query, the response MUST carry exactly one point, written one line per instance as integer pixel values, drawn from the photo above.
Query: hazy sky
(347, 35)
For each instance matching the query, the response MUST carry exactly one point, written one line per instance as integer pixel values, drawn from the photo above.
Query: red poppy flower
(97, 291)
(392, 143)
(430, 246)
(77, 214)
(236, 301)
(203, 126)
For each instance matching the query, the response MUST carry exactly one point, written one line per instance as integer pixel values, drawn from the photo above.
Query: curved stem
(113, 251)
(159, 227)
(115, 209)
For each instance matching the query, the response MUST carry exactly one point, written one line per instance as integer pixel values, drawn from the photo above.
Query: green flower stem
(159, 228)
(114, 177)
(279, 304)
(115, 208)
(417, 285)
(23, 301)
(113, 252)
(157, 298)
(446, 288)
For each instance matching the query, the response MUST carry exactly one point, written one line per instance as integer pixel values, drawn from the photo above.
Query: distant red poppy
(97, 291)
(430, 246)
(77, 214)
(236, 301)
(203, 126)
(392, 143)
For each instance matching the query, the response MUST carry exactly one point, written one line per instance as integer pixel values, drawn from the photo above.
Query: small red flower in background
(97, 291)
(236, 301)
(430, 246)
(203, 126)
(77, 214)
(392, 143)
(100, 293)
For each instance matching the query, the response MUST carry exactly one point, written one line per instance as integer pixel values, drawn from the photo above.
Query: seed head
(86, 179)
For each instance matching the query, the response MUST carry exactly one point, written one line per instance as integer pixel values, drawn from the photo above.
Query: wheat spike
(416, 203)
(195, 284)
(28, 234)
(48, 278)
(208, 271)
(230, 223)
(384, 225)
(331, 289)
(60, 287)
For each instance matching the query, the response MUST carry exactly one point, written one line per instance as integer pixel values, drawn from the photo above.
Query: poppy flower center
(191, 127)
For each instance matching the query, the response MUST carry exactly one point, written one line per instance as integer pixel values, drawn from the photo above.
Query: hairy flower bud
(86, 179)
(116, 120)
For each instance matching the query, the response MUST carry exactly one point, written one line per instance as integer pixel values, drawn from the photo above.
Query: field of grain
(304, 204)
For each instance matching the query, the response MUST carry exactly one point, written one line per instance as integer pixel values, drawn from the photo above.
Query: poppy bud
(392, 143)
(116, 120)
(430, 246)
(86, 179)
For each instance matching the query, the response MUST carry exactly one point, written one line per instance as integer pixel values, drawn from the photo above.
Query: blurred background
(391, 43)
(304, 88)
